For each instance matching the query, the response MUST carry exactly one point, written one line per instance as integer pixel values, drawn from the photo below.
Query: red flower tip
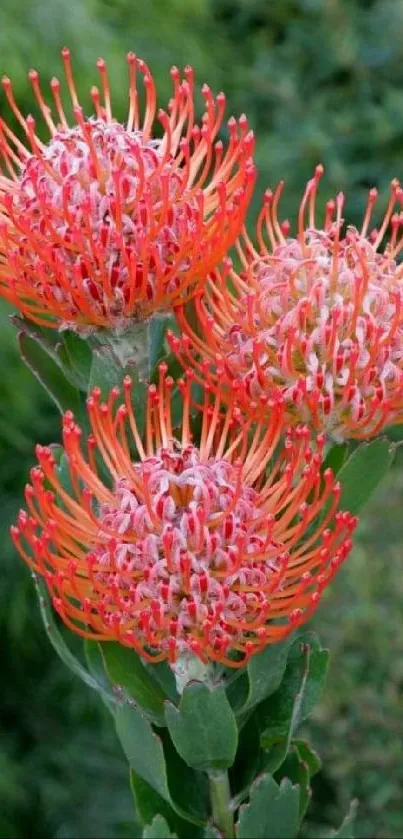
(215, 550)
(105, 222)
(319, 316)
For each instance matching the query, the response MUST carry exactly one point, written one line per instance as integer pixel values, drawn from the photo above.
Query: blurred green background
(320, 80)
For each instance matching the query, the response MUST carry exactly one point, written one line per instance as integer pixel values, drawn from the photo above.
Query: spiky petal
(214, 550)
(105, 223)
(318, 316)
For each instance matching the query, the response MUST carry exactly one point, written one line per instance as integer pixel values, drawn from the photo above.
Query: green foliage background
(320, 80)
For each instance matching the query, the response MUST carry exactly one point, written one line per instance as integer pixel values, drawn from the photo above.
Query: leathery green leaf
(142, 747)
(125, 669)
(265, 672)
(49, 374)
(346, 829)
(145, 752)
(297, 771)
(60, 646)
(280, 715)
(272, 811)
(158, 829)
(203, 728)
(362, 472)
(148, 804)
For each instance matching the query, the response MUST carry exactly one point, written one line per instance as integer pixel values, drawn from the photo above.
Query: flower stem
(220, 800)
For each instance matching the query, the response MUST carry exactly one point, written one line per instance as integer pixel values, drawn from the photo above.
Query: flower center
(95, 197)
(325, 313)
(186, 552)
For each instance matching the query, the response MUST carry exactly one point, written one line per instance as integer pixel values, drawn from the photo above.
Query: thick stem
(220, 800)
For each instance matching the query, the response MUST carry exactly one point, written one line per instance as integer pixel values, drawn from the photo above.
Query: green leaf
(346, 829)
(309, 756)
(143, 748)
(148, 804)
(237, 689)
(272, 812)
(46, 338)
(175, 368)
(95, 664)
(76, 357)
(158, 829)
(125, 668)
(61, 647)
(265, 672)
(274, 756)
(116, 353)
(176, 407)
(106, 371)
(163, 674)
(189, 789)
(191, 318)
(297, 771)
(49, 374)
(156, 341)
(203, 728)
(146, 755)
(57, 451)
(147, 801)
(139, 402)
(336, 457)
(280, 715)
(246, 765)
(63, 473)
(362, 473)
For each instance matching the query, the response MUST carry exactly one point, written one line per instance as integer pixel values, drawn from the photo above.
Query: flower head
(107, 222)
(214, 550)
(318, 316)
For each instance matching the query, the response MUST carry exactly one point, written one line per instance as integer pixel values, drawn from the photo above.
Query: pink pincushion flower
(214, 550)
(106, 222)
(319, 317)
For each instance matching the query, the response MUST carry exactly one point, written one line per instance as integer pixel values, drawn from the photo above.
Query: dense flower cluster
(319, 317)
(105, 222)
(210, 534)
(215, 549)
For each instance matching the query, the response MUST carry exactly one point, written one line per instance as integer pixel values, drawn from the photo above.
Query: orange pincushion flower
(319, 316)
(105, 222)
(214, 550)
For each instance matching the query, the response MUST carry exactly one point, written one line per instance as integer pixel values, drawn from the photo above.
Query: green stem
(220, 800)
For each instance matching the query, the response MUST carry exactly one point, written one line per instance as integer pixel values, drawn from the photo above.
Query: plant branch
(220, 800)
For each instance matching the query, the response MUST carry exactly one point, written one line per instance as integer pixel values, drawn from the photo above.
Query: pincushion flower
(173, 548)
(109, 222)
(319, 316)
